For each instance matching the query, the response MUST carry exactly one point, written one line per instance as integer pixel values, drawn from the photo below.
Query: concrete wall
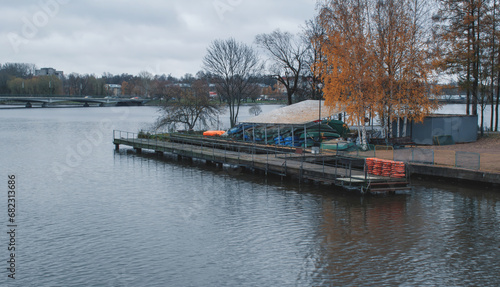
(457, 174)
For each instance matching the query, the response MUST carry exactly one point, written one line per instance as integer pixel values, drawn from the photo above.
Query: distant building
(49, 72)
(114, 89)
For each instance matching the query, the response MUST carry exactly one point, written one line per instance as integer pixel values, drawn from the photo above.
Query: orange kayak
(213, 133)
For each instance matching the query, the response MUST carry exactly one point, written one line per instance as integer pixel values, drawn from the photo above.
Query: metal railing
(200, 145)
(438, 157)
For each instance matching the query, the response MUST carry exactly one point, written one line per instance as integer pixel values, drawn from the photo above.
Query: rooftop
(296, 114)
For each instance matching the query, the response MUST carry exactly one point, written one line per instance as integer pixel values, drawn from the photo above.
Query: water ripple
(122, 219)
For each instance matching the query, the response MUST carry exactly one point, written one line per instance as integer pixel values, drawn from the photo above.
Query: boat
(213, 133)
(324, 135)
(337, 145)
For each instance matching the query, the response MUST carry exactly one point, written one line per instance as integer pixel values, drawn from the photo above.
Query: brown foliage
(376, 63)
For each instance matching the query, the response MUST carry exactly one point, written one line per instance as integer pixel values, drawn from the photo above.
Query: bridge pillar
(117, 147)
(29, 105)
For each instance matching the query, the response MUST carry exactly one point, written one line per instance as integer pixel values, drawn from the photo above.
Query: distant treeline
(20, 79)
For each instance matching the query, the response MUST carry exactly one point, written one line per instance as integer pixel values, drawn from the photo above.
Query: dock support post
(265, 132)
(253, 133)
(279, 136)
(117, 147)
(305, 137)
(301, 171)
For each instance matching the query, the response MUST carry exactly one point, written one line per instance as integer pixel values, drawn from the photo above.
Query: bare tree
(192, 105)
(461, 31)
(314, 34)
(255, 110)
(79, 85)
(233, 66)
(19, 70)
(145, 82)
(287, 58)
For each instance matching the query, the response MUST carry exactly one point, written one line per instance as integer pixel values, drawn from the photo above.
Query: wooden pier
(329, 168)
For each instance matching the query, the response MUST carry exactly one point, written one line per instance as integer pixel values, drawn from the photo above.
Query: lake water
(460, 109)
(89, 216)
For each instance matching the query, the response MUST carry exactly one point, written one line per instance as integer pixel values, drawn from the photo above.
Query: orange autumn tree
(348, 70)
(403, 62)
(376, 63)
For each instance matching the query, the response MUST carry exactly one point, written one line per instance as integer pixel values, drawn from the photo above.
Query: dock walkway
(333, 169)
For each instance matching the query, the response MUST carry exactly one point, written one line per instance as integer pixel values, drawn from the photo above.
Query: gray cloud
(131, 36)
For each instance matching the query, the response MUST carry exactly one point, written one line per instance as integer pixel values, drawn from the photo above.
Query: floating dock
(336, 169)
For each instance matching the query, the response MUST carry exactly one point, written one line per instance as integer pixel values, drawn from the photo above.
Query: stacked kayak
(317, 134)
(289, 141)
(298, 136)
(213, 133)
(337, 145)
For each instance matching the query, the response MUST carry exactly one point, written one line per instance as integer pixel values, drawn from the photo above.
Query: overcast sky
(161, 37)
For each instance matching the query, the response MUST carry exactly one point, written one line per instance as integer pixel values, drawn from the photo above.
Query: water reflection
(437, 234)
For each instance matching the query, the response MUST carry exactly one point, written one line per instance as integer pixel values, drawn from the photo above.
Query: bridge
(57, 100)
